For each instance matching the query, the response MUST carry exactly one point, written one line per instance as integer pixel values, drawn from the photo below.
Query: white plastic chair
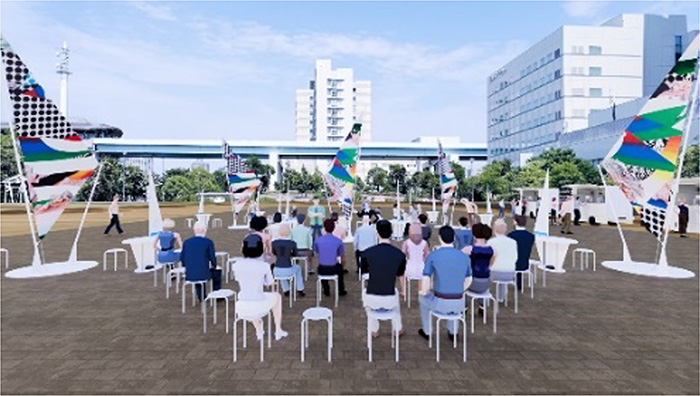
(115, 255)
(316, 314)
(246, 311)
(292, 287)
(319, 287)
(530, 281)
(177, 272)
(408, 280)
(202, 283)
(7, 257)
(224, 263)
(440, 317)
(297, 260)
(217, 223)
(221, 294)
(515, 291)
(380, 315)
(584, 255)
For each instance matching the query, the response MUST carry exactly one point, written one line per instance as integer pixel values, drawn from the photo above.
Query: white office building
(334, 101)
(550, 89)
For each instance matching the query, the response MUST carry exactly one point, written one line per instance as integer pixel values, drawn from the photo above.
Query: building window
(679, 46)
(595, 92)
(595, 71)
(557, 74)
(557, 53)
(577, 91)
(557, 94)
(594, 50)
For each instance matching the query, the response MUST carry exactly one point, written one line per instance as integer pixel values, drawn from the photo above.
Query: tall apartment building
(334, 101)
(549, 89)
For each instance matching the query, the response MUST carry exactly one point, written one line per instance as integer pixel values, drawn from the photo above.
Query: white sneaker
(280, 335)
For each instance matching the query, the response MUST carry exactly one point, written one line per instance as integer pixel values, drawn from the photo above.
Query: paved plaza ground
(112, 332)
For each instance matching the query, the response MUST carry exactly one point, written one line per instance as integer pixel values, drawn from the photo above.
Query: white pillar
(62, 69)
(274, 162)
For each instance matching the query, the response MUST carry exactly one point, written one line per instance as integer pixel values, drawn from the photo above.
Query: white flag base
(50, 269)
(649, 269)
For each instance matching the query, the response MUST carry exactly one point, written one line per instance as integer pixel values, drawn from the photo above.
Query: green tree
(397, 173)
(691, 162)
(178, 189)
(425, 182)
(8, 166)
(554, 156)
(495, 177)
(128, 181)
(377, 179)
(564, 174)
(221, 178)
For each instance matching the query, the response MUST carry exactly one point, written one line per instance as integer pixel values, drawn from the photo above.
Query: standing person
(384, 263)
(482, 258)
(683, 214)
(114, 216)
(451, 270)
(252, 274)
(463, 235)
(412, 214)
(537, 206)
(258, 224)
(471, 210)
(198, 256)
(523, 207)
(330, 250)
(365, 238)
(525, 240)
(577, 211)
(164, 243)
(567, 208)
(416, 250)
(426, 230)
(506, 249)
(553, 211)
(316, 215)
(284, 249)
(501, 208)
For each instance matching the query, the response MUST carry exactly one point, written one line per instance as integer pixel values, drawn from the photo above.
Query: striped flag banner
(341, 175)
(242, 182)
(56, 160)
(448, 181)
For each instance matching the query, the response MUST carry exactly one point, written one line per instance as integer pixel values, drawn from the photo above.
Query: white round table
(552, 251)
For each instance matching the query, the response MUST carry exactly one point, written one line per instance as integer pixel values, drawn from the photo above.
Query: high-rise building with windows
(334, 101)
(549, 89)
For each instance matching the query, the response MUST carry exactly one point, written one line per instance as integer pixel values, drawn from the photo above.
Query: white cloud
(584, 9)
(154, 10)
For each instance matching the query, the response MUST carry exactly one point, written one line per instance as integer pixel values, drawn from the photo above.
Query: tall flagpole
(74, 250)
(663, 260)
(36, 261)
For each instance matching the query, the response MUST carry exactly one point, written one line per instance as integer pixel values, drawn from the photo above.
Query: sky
(213, 70)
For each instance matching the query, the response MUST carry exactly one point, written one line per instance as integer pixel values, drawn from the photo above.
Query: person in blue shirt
(198, 256)
(164, 243)
(463, 235)
(451, 270)
(365, 238)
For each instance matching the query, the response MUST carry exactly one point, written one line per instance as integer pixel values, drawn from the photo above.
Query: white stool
(383, 315)
(515, 291)
(178, 272)
(292, 288)
(217, 223)
(296, 260)
(534, 264)
(7, 257)
(224, 266)
(486, 297)
(212, 297)
(115, 252)
(436, 329)
(583, 253)
(202, 283)
(530, 281)
(319, 287)
(189, 221)
(316, 314)
(154, 269)
(247, 313)
(407, 297)
(364, 279)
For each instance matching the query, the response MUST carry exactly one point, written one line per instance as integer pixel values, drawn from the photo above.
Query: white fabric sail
(155, 220)
(542, 220)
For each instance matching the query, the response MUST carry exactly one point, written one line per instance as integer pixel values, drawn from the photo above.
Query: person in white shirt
(506, 249)
(274, 228)
(365, 238)
(114, 216)
(252, 273)
(577, 211)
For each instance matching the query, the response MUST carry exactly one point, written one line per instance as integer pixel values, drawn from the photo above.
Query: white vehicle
(602, 203)
(689, 191)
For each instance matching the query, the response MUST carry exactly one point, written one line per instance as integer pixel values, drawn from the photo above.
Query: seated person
(452, 274)
(525, 240)
(258, 224)
(198, 256)
(252, 274)
(506, 253)
(384, 263)
(302, 236)
(164, 243)
(426, 230)
(416, 250)
(284, 249)
(482, 258)
(330, 251)
(463, 235)
(273, 229)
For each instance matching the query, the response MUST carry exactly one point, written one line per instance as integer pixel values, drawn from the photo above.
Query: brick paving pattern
(110, 332)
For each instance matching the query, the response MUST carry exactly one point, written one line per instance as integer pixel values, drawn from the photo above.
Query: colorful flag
(341, 176)
(643, 162)
(242, 182)
(56, 160)
(448, 181)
